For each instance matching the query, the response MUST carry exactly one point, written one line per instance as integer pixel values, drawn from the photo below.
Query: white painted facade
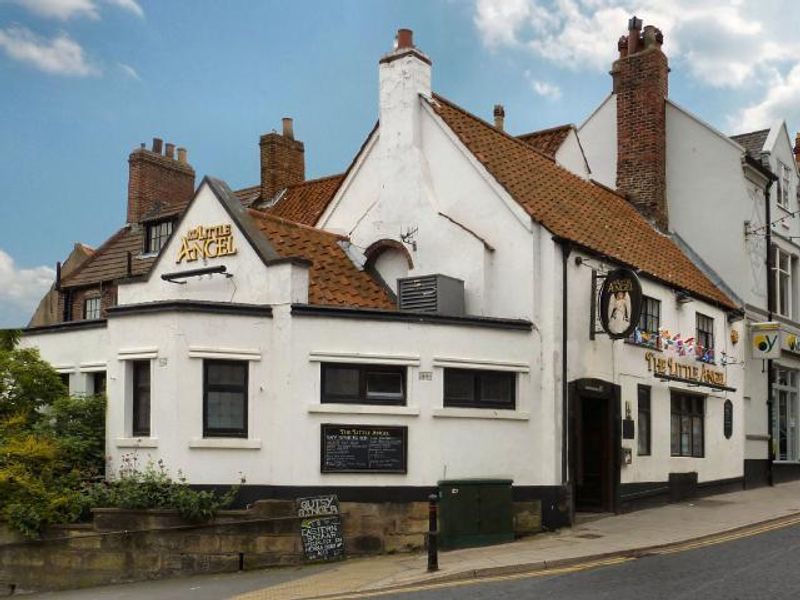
(416, 184)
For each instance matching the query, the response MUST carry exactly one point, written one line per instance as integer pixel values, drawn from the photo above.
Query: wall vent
(431, 294)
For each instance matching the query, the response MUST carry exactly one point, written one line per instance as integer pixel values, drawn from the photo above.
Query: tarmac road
(764, 566)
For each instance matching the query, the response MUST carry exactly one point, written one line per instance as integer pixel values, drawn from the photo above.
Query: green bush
(154, 488)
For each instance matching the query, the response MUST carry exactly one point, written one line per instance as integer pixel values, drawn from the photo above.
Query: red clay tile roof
(305, 202)
(110, 261)
(247, 196)
(547, 141)
(333, 278)
(572, 208)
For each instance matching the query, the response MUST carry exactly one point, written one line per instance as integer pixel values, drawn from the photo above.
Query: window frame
(786, 407)
(782, 276)
(704, 337)
(97, 377)
(244, 388)
(363, 394)
(644, 392)
(477, 401)
(163, 231)
(649, 324)
(97, 311)
(784, 184)
(695, 411)
(137, 400)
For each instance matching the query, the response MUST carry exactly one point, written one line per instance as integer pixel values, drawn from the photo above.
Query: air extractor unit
(431, 294)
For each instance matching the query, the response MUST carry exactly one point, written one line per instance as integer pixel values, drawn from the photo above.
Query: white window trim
(484, 364)
(136, 442)
(137, 353)
(363, 409)
(92, 367)
(363, 358)
(792, 391)
(777, 281)
(225, 353)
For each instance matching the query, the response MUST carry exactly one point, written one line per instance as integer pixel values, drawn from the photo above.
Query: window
(646, 332)
(785, 183)
(784, 415)
(704, 338)
(479, 389)
(224, 398)
(91, 308)
(141, 398)
(363, 384)
(687, 426)
(783, 283)
(99, 382)
(64, 377)
(643, 421)
(157, 236)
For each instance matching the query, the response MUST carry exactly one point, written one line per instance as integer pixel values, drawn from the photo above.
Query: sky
(84, 82)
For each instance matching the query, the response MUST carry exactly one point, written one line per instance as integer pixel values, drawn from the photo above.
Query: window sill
(644, 346)
(230, 443)
(361, 409)
(481, 413)
(136, 442)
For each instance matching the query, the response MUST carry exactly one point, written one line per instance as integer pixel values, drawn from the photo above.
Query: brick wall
(157, 184)
(282, 163)
(640, 78)
(107, 293)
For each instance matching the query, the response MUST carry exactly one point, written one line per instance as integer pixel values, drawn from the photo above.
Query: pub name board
(670, 367)
(203, 242)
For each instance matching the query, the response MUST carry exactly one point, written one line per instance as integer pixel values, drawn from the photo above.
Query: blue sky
(85, 81)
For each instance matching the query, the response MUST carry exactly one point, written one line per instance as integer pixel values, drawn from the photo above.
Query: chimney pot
(288, 128)
(158, 144)
(634, 30)
(170, 150)
(499, 116)
(405, 39)
(182, 155)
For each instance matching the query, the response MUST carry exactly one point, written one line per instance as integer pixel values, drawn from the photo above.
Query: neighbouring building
(429, 314)
(707, 191)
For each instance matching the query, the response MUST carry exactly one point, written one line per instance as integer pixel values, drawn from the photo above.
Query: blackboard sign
(727, 419)
(323, 538)
(363, 449)
(317, 506)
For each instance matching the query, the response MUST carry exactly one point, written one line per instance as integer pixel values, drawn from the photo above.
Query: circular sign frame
(620, 303)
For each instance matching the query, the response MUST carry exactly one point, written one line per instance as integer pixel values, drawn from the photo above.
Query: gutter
(566, 250)
(770, 303)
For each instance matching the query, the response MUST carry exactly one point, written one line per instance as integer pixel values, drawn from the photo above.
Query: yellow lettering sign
(206, 242)
(672, 368)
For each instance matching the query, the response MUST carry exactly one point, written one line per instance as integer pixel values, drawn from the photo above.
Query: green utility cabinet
(475, 512)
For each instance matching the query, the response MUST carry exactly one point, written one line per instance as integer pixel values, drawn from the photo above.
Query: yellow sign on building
(206, 242)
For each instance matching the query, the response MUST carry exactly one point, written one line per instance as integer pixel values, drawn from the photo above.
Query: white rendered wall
(570, 156)
(598, 135)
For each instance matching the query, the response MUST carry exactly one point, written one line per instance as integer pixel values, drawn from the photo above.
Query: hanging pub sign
(206, 242)
(620, 303)
(765, 340)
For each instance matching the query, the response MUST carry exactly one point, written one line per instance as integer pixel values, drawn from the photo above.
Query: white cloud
(548, 90)
(67, 9)
(727, 44)
(129, 71)
(21, 290)
(129, 5)
(60, 55)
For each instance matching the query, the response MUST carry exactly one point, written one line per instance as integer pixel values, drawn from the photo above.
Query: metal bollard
(433, 534)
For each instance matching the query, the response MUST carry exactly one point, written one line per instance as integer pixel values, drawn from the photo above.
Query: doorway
(595, 445)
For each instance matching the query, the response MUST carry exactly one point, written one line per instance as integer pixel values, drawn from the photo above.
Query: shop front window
(687, 425)
(784, 415)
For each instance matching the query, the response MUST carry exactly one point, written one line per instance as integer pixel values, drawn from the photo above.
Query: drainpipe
(566, 250)
(770, 304)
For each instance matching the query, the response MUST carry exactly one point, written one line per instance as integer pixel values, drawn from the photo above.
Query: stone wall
(122, 545)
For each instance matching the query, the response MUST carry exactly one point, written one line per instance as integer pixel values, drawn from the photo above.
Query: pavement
(658, 530)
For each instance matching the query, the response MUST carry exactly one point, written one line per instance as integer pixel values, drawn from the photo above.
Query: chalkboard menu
(363, 449)
(321, 527)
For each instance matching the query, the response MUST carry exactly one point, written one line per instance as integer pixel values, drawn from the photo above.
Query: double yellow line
(618, 560)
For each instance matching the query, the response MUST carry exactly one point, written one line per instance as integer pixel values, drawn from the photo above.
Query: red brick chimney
(640, 76)
(283, 160)
(158, 184)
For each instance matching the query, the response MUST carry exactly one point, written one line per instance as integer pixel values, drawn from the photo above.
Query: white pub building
(455, 305)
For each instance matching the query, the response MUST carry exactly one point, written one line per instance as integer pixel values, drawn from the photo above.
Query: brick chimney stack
(640, 77)
(797, 148)
(283, 160)
(499, 117)
(158, 184)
